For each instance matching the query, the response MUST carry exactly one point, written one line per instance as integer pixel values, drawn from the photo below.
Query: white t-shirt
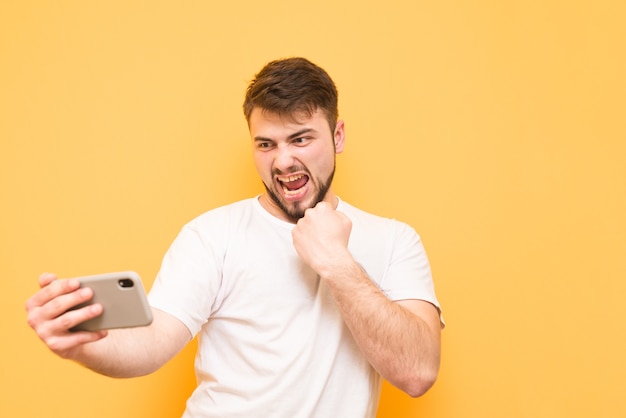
(271, 340)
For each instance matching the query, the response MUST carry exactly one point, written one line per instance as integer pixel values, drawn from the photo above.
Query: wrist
(339, 268)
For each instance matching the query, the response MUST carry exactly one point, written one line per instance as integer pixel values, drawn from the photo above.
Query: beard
(296, 210)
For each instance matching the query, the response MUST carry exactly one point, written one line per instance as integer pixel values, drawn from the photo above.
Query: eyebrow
(300, 133)
(292, 136)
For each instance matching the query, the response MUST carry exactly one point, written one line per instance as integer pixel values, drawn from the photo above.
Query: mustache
(293, 169)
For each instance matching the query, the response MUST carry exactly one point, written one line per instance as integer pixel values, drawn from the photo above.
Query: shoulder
(367, 220)
(356, 214)
(221, 214)
(216, 225)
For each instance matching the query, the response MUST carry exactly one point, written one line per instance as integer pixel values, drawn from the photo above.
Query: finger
(48, 328)
(51, 291)
(323, 205)
(55, 299)
(65, 301)
(71, 318)
(64, 344)
(46, 278)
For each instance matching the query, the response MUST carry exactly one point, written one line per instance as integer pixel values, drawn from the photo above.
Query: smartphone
(123, 298)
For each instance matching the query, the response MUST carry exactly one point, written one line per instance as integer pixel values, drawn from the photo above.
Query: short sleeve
(408, 274)
(189, 279)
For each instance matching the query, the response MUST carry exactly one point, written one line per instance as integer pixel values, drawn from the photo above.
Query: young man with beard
(301, 302)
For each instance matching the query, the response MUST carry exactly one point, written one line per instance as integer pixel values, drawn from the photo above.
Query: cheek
(322, 163)
(263, 166)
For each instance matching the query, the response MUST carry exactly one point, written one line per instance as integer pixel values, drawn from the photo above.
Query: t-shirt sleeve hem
(181, 316)
(398, 296)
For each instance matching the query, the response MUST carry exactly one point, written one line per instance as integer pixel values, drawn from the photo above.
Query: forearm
(118, 353)
(400, 339)
(399, 344)
(134, 352)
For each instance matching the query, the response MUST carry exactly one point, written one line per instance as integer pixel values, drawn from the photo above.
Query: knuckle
(31, 320)
(65, 322)
(56, 305)
(43, 333)
(29, 305)
(54, 343)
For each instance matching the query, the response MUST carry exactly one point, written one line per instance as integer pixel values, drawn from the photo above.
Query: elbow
(420, 386)
(418, 383)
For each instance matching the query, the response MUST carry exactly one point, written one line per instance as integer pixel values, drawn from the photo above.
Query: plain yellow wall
(497, 129)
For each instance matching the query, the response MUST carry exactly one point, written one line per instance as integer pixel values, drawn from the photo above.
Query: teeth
(290, 192)
(290, 178)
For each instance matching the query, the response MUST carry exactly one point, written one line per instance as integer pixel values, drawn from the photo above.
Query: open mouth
(292, 185)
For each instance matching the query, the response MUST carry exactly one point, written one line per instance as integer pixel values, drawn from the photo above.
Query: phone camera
(125, 283)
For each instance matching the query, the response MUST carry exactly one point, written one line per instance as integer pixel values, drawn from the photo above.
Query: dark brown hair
(291, 86)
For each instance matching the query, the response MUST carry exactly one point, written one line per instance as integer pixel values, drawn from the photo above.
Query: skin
(400, 339)
(115, 353)
(293, 146)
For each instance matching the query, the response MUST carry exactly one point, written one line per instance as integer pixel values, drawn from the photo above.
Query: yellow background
(497, 129)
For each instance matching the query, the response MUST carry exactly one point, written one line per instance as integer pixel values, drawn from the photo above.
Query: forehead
(263, 122)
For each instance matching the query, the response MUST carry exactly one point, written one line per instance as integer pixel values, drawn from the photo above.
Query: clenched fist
(321, 238)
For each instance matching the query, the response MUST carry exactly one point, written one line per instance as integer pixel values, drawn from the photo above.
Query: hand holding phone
(123, 298)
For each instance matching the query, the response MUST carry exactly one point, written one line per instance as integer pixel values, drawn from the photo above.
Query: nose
(283, 159)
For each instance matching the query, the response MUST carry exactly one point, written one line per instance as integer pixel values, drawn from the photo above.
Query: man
(301, 302)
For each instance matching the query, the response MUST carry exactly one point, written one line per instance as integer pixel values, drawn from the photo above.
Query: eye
(263, 144)
(300, 140)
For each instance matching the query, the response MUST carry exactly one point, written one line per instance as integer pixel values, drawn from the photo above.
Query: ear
(339, 136)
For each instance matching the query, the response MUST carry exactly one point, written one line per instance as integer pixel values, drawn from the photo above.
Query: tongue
(296, 184)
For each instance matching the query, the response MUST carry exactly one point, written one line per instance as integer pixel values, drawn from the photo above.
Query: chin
(293, 209)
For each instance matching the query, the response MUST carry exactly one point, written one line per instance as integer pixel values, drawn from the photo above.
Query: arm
(401, 339)
(118, 353)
